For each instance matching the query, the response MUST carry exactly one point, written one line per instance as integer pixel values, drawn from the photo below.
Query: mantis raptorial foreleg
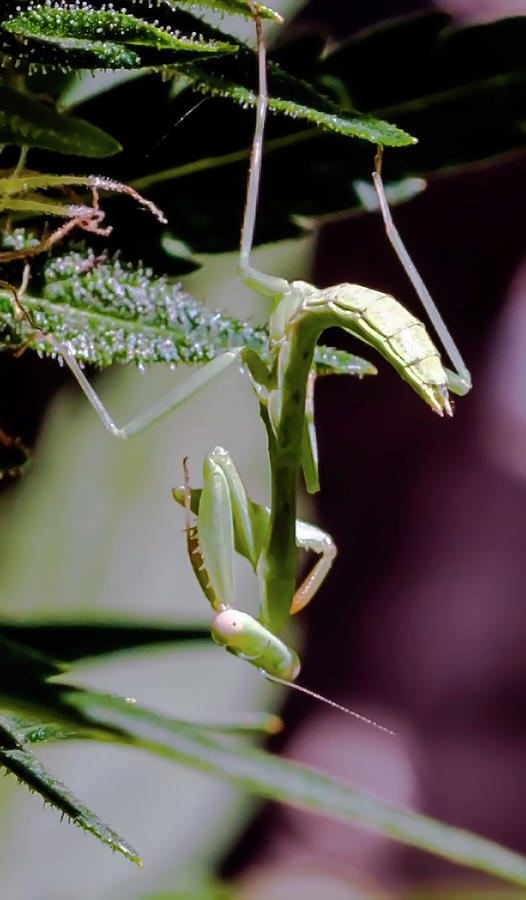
(226, 520)
(310, 537)
(223, 508)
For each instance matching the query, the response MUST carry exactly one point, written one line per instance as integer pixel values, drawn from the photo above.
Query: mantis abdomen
(401, 338)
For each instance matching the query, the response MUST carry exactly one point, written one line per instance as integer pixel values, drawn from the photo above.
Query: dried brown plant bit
(14, 455)
(29, 190)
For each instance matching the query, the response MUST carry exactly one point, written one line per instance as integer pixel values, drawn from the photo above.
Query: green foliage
(26, 768)
(235, 7)
(451, 98)
(408, 71)
(106, 38)
(25, 120)
(108, 312)
(89, 713)
(73, 36)
(437, 84)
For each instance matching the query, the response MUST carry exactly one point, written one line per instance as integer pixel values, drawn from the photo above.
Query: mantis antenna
(344, 709)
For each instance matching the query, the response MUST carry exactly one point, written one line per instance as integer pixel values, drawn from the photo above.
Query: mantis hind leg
(459, 381)
(166, 404)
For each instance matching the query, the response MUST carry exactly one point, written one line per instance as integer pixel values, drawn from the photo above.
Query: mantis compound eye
(244, 636)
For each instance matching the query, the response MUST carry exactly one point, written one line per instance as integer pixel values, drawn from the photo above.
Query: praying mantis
(227, 520)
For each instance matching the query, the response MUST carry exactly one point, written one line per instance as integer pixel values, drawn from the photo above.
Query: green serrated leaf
(117, 40)
(29, 771)
(310, 173)
(217, 754)
(78, 35)
(288, 782)
(25, 120)
(366, 127)
(320, 110)
(236, 7)
(111, 312)
(26, 731)
(98, 25)
(78, 52)
(330, 361)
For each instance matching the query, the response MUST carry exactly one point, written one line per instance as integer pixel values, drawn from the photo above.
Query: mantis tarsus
(227, 520)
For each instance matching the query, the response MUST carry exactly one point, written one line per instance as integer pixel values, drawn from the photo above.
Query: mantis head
(244, 636)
